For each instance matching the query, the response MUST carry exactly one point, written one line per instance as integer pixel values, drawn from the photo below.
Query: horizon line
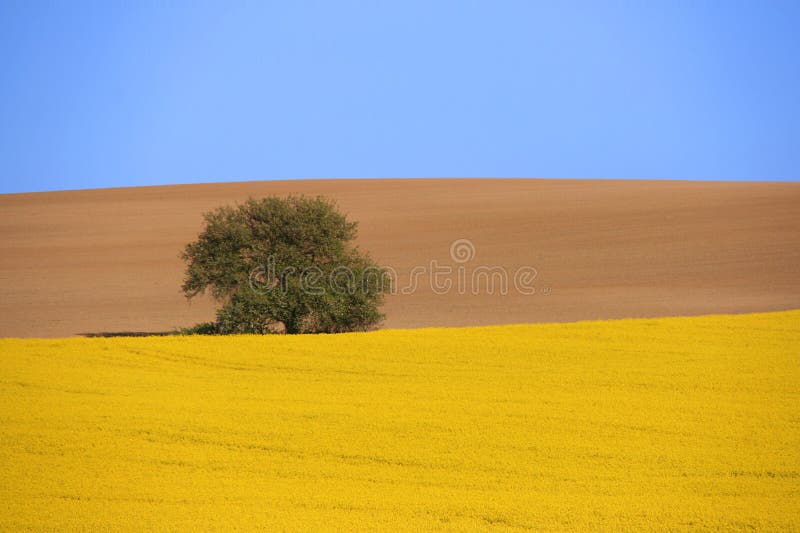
(356, 178)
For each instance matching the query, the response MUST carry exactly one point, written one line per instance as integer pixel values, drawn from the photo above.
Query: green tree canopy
(285, 263)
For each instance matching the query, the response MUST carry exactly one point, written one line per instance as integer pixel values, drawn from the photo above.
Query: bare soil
(97, 261)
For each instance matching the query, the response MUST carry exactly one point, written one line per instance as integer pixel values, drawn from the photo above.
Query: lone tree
(284, 264)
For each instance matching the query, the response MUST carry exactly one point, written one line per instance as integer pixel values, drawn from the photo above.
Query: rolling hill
(107, 260)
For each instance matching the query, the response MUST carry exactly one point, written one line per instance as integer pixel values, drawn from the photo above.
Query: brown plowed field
(107, 260)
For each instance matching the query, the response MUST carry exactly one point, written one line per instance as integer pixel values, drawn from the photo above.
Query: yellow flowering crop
(667, 424)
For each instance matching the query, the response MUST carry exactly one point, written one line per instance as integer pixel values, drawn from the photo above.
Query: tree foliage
(285, 264)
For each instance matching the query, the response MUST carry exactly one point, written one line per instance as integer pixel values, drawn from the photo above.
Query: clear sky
(117, 93)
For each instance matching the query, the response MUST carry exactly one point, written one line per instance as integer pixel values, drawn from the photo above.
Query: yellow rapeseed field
(668, 424)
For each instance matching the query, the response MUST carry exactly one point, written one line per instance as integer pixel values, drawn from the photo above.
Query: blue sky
(113, 93)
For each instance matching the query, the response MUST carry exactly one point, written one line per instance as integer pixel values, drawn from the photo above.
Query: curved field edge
(659, 424)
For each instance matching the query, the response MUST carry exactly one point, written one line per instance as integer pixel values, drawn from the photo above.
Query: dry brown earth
(107, 260)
